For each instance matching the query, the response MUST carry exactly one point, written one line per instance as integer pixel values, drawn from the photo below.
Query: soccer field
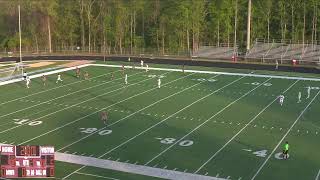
(199, 125)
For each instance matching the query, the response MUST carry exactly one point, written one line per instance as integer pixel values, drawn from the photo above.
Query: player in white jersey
(147, 67)
(59, 78)
(299, 97)
(141, 63)
(126, 79)
(25, 75)
(159, 83)
(28, 81)
(281, 99)
(308, 91)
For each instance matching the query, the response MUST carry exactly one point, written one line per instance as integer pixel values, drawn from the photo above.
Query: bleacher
(284, 51)
(216, 52)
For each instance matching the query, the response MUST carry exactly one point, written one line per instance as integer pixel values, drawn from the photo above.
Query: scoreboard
(26, 161)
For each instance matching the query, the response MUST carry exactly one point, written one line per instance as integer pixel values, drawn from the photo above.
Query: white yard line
(94, 175)
(285, 135)
(34, 76)
(74, 105)
(59, 97)
(318, 175)
(247, 124)
(205, 122)
(182, 109)
(214, 72)
(128, 168)
(129, 115)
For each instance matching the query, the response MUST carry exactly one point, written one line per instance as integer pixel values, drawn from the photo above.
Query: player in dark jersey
(44, 80)
(112, 76)
(78, 72)
(183, 68)
(123, 69)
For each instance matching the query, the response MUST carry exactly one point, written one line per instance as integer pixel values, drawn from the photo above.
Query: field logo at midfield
(92, 130)
(257, 84)
(172, 140)
(27, 122)
(204, 80)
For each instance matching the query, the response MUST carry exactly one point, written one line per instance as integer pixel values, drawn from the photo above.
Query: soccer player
(59, 78)
(159, 83)
(78, 72)
(44, 80)
(129, 59)
(126, 79)
(308, 91)
(28, 81)
(25, 75)
(123, 69)
(141, 63)
(86, 75)
(299, 97)
(104, 117)
(112, 76)
(277, 65)
(147, 67)
(183, 68)
(281, 99)
(285, 150)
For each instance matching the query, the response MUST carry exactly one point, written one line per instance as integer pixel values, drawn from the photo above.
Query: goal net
(10, 71)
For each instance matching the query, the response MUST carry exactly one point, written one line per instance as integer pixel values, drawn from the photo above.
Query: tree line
(123, 26)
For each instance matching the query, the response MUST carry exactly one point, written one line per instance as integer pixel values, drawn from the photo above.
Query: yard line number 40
(263, 153)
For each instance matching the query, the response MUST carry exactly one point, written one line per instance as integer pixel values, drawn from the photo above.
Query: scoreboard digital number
(26, 161)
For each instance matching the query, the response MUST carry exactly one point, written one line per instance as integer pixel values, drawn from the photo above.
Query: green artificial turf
(195, 123)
